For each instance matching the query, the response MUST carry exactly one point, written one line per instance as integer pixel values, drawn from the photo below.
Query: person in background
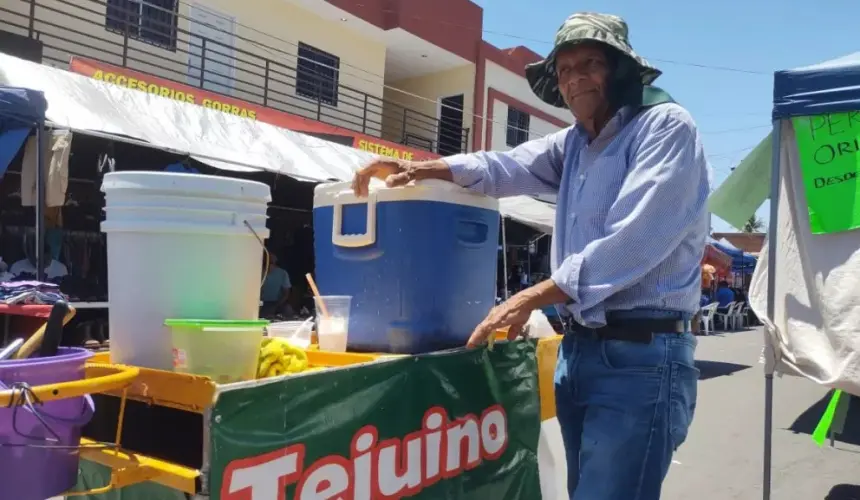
(524, 279)
(276, 289)
(25, 269)
(725, 296)
(631, 178)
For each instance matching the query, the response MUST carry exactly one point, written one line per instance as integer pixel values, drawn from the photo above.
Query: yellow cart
(163, 425)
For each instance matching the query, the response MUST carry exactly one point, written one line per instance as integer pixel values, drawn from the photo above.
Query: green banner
(93, 476)
(459, 425)
(829, 151)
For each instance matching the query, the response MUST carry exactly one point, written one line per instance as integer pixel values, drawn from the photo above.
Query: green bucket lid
(223, 323)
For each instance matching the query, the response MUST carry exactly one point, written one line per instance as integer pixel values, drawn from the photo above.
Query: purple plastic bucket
(40, 459)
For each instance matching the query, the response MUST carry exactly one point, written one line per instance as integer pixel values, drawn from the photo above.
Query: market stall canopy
(740, 260)
(526, 210)
(719, 261)
(828, 87)
(219, 139)
(21, 107)
(813, 310)
(20, 110)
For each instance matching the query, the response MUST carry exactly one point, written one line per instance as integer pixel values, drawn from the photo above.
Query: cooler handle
(472, 233)
(353, 240)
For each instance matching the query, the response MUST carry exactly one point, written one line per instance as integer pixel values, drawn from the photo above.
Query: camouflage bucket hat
(584, 27)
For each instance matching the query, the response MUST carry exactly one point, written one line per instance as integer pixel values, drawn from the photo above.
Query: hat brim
(543, 79)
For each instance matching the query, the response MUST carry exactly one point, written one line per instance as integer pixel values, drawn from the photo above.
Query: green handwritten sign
(829, 150)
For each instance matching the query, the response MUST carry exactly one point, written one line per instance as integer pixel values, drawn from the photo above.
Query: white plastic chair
(707, 317)
(739, 318)
(728, 317)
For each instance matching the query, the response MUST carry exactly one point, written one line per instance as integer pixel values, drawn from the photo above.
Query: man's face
(583, 72)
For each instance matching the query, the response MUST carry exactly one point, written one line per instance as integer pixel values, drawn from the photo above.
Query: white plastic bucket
(178, 247)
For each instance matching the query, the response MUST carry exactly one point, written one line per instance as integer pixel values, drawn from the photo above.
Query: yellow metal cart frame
(196, 394)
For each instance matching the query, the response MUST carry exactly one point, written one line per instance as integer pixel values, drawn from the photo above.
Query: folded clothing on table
(30, 293)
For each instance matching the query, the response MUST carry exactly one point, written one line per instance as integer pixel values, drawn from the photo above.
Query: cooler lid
(424, 190)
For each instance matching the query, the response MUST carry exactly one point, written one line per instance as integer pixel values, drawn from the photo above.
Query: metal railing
(153, 37)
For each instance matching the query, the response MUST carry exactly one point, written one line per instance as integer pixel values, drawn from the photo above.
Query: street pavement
(722, 458)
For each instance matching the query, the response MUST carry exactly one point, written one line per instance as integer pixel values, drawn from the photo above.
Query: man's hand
(514, 313)
(380, 169)
(399, 173)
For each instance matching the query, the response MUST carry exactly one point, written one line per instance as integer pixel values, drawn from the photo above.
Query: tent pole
(770, 354)
(506, 295)
(40, 201)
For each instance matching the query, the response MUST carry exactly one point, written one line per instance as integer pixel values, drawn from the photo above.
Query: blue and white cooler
(419, 262)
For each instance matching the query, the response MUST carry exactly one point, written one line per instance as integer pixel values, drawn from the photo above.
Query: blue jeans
(624, 408)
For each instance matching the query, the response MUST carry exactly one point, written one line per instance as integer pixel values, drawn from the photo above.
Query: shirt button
(582, 177)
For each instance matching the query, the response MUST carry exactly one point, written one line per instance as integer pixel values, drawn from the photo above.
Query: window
(317, 74)
(518, 127)
(416, 141)
(151, 21)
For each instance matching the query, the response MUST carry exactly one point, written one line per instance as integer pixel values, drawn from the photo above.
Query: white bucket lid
(195, 185)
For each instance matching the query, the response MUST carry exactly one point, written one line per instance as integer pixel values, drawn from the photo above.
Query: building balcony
(228, 56)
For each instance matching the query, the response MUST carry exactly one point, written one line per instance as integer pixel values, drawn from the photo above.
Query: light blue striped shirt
(631, 218)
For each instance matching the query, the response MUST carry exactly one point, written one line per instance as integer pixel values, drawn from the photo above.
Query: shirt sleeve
(662, 198)
(531, 168)
(285, 280)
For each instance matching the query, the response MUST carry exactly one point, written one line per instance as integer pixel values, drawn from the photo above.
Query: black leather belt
(632, 330)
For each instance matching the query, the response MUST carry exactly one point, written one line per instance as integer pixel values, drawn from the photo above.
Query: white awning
(536, 214)
(218, 139)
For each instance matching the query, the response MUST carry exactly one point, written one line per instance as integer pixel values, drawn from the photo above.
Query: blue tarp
(741, 261)
(21, 107)
(828, 87)
(20, 110)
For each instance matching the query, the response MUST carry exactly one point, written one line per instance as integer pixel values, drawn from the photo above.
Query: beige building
(394, 76)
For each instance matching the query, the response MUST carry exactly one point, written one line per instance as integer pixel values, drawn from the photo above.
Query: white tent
(218, 139)
(536, 214)
(806, 290)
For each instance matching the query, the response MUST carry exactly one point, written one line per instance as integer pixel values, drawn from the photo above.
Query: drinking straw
(316, 291)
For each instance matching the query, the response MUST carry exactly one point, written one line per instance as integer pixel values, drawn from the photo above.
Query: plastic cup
(297, 333)
(333, 330)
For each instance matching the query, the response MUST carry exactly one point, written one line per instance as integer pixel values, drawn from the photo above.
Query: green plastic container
(224, 350)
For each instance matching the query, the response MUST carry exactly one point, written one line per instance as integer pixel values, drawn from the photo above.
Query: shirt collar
(621, 118)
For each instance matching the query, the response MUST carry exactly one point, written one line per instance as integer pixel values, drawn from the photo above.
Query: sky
(689, 41)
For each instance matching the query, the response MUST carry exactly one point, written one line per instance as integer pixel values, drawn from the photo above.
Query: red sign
(192, 95)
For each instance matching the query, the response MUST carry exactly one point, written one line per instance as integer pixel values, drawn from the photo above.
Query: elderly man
(631, 179)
